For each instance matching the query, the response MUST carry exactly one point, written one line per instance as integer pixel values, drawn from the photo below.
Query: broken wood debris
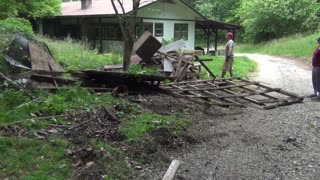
(232, 92)
(172, 60)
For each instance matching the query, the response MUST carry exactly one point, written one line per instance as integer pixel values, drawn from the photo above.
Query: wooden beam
(216, 87)
(216, 96)
(216, 42)
(246, 98)
(171, 172)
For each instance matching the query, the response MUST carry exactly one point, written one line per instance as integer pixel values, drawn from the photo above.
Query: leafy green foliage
(269, 19)
(29, 9)
(77, 55)
(217, 9)
(33, 159)
(8, 28)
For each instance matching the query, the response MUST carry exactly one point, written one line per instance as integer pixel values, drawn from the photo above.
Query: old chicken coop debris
(34, 63)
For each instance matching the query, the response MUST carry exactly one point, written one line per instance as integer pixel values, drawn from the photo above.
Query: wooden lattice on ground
(232, 92)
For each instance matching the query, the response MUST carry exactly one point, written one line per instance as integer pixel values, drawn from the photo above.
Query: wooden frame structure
(232, 92)
(211, 27)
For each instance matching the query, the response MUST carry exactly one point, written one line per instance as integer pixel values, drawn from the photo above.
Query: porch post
(100, 35)
(234, 34)
(208, 33)
(216, 42)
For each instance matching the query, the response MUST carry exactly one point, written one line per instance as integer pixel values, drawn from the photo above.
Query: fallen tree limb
(32, 119)
(16, 86)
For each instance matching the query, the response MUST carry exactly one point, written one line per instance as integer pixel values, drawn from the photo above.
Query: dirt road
(283, 73)
(246, 143)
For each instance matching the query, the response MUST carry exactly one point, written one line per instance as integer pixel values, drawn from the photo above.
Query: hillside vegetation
(300, 46)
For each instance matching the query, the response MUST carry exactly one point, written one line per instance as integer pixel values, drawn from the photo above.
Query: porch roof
(99, 7)
(213, 24)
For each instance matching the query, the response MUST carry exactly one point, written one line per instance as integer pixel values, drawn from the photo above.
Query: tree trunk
(126, 55)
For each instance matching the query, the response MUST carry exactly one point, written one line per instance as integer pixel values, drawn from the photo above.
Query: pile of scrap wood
(32, 60)
(35, 67)
(171, 59)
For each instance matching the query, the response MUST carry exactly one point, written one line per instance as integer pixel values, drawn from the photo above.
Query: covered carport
(211, 27)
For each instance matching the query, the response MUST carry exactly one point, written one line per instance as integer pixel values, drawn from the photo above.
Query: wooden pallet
(232, 92)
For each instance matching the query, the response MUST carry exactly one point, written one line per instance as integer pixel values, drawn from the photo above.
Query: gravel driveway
(246, 143)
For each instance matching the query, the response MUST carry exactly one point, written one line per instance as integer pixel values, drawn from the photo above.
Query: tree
(127, 24)
(270, 19)
(29, 9)
(217, 9)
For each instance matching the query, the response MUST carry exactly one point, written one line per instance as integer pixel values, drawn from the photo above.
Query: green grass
(138, 126)
(242, 66)
(25, 158)
(28, 158)
(301, 46)
(77, 55)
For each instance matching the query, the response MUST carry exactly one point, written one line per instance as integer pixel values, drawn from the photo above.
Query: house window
(181, 31)
(108, 32)
(158, 29)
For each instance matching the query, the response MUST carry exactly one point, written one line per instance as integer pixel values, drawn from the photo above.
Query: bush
(8, 28)
(268, 19)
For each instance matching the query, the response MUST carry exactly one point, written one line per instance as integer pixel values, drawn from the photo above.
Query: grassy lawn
(241, 68)
(301, 46)
(77, 55)
(27, 158)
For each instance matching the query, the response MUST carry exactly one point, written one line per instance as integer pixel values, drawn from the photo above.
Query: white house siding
(158, 12)
(170, 14)
(168, 30)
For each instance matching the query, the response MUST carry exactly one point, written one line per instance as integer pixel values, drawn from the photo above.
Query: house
(96, 21)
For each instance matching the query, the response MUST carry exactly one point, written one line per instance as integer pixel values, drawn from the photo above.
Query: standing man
(316, 72)
(229, 52)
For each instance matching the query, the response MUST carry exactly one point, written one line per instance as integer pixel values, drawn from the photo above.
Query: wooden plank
(246, 95)
(279, 91)
(208, 70)
(203, 98)
(246, 98)
(216, 87)
(41, 59)
(216, 97)
(96, 89)
(299, 100)
(248, 89)
(113, 67)
(172, 170)
(46, 78)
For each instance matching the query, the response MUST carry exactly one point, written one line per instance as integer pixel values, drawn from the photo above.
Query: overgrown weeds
(78, 55)
(18, 110)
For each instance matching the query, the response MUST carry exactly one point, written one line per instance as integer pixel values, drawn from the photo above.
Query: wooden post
(171, 172)
(100, 35)
(216, 42)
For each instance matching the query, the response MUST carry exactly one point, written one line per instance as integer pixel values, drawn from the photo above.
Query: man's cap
(229, 34)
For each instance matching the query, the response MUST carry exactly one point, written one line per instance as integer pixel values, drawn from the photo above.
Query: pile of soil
(101, 124)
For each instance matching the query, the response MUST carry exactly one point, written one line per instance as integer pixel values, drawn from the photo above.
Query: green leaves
(269, 19)
(29, 9)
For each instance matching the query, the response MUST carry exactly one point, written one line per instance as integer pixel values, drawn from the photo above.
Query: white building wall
(168, 30)
(169, 14)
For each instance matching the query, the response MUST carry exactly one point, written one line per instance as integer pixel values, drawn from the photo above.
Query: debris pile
(172, 60)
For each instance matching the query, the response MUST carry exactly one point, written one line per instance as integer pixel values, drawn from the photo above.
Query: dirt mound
(100, 124)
